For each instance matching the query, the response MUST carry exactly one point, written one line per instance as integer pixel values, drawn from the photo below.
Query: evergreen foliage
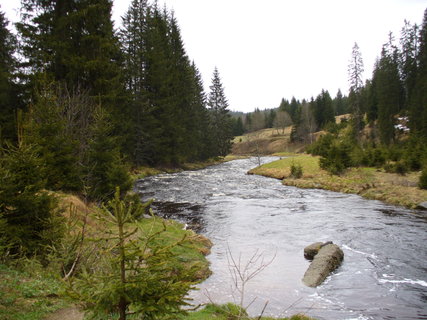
(136, 272)
(323, 110)
(296, 171)
(103, 168)
(355, 72)
(423, 179)
(56, 147)
(220, 118)
(74, 42)
(9, 93)
(170, 117)
(238, 128)
(340, 104)
(418, 103)
(27, 211)
(389, 91)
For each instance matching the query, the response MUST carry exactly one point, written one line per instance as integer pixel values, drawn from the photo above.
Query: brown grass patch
(370, 183)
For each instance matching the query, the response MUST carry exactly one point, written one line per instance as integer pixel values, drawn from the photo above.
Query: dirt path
(71, 313)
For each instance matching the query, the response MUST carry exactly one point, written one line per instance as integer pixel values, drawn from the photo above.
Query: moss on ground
(370, 183)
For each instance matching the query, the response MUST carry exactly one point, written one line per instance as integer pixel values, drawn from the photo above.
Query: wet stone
(311, 250)
(422, 205)
(327, 260)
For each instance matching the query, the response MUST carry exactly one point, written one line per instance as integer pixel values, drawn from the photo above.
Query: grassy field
(370, 183)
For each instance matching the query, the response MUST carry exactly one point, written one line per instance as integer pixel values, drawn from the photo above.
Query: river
(384, 272)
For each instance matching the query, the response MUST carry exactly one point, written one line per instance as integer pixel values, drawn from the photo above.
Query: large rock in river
(325, 261)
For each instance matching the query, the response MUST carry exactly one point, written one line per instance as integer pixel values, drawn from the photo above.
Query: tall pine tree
(9, 101)
(220, 118)
(418, 107)
(355, 72)
(389, 91)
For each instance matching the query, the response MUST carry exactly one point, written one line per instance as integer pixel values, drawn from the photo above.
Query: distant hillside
(265, 141)
(271, 140)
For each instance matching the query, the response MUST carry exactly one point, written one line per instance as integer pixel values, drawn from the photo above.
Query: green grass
(230, 312)
(28, 296)
(281, 169)
(191, 252)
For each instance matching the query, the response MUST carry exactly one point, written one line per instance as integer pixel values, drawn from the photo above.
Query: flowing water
(384, 272)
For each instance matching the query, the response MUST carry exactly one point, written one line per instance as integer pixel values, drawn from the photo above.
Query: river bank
(370, 183)
(145, 171)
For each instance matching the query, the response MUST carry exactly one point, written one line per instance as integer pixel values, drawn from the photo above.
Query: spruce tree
(355, 72)
(9, 102)
(408, 59)
(389, 91)
(138, 271)
(133, 44)
(293, 109)
(28, 220)
(284, 105)
(73, 41)
(372, 100)
(164, 141)
(418, 108)
(104, 169)
(46, 128)
(220, 118)
(323, 110)
(340, 104)
(202, 137)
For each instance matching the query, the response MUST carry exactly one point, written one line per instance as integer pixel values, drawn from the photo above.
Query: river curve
(384, 273)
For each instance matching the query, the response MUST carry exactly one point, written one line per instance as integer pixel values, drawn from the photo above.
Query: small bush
(337, 158)
(399, 167)
(296, 171)
(322, 146)
(422, 183)
(371, 157)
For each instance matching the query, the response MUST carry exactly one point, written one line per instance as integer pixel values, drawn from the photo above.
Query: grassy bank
(191, 252)
(231, 312)
(370, 183)
(30, 291)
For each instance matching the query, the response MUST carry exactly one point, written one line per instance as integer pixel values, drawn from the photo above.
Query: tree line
(388, 123)
(306, 117)
(82, 103)
(387, 114)
(92, 99)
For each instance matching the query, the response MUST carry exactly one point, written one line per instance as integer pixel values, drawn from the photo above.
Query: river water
(384, 272)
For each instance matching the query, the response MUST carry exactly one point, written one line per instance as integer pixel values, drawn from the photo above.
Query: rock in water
(422, 205)
(311, 250)
(327, 260)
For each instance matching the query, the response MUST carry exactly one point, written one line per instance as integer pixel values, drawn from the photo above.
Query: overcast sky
(266, 50)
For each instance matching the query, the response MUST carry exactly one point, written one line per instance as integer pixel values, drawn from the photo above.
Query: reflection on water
(383, 275)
